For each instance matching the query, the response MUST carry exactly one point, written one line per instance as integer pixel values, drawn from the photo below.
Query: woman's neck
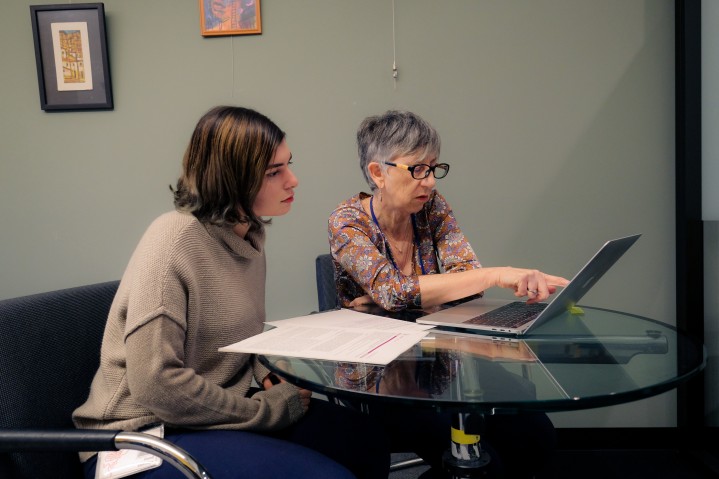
(399, 228)
(395, 224)
(241, 229)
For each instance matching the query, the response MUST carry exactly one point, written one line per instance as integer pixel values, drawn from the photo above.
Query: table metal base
(465, 457)
(463, 469)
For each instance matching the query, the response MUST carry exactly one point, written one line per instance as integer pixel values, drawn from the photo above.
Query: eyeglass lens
(420, 172)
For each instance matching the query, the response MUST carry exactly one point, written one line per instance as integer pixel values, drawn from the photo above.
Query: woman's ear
(374, 170)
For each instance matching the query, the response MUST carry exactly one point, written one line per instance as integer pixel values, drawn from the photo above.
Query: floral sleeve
(363, 260)
(449, 242)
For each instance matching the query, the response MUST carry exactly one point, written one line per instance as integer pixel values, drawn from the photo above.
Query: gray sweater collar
(252, 246)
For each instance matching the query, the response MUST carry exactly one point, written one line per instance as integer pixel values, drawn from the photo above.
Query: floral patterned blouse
(363, 260)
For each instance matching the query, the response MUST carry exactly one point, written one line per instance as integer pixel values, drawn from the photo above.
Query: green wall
(557, 117)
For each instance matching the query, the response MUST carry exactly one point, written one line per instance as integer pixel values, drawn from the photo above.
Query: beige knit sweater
(188, 290)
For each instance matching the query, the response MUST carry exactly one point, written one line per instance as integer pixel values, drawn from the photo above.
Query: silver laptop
(517, 318)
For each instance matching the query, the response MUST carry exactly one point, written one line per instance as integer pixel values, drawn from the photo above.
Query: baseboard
(638, 438)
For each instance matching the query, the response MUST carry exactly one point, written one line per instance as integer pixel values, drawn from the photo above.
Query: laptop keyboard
(511, 315)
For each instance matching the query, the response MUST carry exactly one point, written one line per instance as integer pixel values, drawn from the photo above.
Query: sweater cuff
(292, 398)
(259, 370)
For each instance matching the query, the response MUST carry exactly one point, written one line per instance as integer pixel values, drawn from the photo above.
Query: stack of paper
(340, 335)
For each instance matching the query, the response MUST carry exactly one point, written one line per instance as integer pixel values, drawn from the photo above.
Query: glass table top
(574, 361)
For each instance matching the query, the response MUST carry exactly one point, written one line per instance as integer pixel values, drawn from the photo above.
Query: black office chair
(326, 300)
(49, 352)
(325, 277)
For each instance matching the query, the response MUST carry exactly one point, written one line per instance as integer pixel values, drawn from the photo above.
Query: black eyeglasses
(421, 171)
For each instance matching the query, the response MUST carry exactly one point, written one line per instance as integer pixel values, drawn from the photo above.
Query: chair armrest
(32, 440)
(100, 440)
(176, 456)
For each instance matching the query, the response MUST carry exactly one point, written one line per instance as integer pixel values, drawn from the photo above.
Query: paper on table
(342, 335)
(349, 319)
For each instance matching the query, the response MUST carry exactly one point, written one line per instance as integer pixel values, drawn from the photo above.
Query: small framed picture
(230, 17)
(73, 72)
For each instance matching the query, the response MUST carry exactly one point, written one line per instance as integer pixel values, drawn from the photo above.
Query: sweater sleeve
(259, 370)
(159, 381)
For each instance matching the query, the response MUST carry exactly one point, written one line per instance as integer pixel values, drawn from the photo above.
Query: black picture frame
(67, 38)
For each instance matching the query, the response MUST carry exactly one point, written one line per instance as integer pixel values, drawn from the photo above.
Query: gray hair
(394, 134)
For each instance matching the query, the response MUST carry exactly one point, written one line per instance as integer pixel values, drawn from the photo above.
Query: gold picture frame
(230, 17)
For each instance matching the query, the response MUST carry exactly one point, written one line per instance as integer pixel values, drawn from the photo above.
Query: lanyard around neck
(414, 230)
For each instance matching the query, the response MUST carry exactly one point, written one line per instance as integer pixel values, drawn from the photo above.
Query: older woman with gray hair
(389, 248)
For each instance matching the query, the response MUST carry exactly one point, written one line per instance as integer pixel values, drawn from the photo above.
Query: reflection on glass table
(594, 359)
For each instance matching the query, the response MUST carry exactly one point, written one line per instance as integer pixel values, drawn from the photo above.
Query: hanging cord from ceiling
(395, 73)
(232, 44)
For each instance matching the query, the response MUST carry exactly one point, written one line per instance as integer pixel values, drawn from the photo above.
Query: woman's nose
(429, 180)
(292, 181)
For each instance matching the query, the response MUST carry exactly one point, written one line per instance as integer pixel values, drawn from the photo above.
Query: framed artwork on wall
(230, 17)
(73, 72)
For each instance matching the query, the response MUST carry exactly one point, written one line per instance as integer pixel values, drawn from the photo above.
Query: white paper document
(126, 462)
(341, 335)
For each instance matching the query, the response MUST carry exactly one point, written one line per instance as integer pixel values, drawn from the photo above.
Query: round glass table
(589, 358)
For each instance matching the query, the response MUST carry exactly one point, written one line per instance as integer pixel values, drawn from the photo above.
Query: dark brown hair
(225, 164)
